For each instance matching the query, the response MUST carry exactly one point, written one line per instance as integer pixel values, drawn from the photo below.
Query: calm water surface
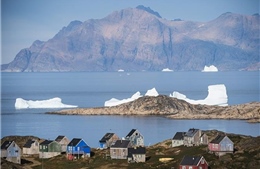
(93, 89)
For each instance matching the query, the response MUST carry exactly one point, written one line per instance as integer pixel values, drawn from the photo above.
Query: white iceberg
(217, 95)
(115, 102)
(167, 70)
(39, 104)
(151, 92)
(120, 70)
(210, 68)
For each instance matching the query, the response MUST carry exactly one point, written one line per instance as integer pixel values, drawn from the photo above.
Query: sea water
(92, 89)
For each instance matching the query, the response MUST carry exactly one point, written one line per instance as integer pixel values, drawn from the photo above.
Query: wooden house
(107, 140)
(177, 139)
(63, 141)
(193, 162)
(78, 148)
(49, 148)
(119, 149)
(31, 147)
(136, 154)
(195, 137)
(204, 140)
(221, 145)
(135, 137)
(11, 152)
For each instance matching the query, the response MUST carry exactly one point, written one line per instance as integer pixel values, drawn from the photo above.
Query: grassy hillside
(246, 155)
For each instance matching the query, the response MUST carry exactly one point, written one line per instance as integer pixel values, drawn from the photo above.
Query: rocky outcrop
(173, 108)
(136, 39)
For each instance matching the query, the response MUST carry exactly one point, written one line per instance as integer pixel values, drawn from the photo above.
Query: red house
(221, 145)
(193, 162)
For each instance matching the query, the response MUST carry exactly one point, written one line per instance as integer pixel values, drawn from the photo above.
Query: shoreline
(172, 108)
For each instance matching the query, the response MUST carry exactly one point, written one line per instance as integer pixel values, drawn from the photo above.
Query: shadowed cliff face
(136, 39)
(173, 108)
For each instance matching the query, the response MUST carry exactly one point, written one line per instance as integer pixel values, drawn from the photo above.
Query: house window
(183, 167)
(202, 161)
(190, 167)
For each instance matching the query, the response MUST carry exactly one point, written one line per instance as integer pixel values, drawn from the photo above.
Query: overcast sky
(24, 21)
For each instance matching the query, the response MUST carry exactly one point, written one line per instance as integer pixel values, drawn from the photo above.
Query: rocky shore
(172, 108)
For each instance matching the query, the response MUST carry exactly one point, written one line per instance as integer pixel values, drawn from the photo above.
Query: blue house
(78, 148)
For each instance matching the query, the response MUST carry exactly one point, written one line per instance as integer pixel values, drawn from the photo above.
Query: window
(183, 167)
(202, 161)
(190, 167)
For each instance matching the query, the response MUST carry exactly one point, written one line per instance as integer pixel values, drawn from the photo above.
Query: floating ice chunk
(217, 95)
(121, 70)
(51, 103)
(178, 95)
(151, 92)
(167, 70)
(115, 102)
(211, 68)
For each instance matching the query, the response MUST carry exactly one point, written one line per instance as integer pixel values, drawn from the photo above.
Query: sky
(24, 21)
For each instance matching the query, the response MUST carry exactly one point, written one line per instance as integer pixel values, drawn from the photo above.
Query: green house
(49, 148)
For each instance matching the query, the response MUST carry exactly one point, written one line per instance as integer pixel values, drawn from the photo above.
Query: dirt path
(35, 163)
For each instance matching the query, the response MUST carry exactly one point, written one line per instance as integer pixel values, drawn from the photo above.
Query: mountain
(136, 39)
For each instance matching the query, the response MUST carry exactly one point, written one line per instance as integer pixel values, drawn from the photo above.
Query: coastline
(173, 108)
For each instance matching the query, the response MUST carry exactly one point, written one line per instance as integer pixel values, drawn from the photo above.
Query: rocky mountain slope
(173, 108)
(136, 39)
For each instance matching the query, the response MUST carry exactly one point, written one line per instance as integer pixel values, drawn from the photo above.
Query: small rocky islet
(172, 108)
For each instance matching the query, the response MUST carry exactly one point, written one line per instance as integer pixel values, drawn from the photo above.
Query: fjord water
(92, 89)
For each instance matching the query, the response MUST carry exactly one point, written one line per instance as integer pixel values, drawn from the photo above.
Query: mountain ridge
(137, 39)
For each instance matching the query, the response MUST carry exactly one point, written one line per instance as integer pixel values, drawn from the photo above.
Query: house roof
(179, 136)
(46, 142)
(59, 138)
(190, 160)
(136, 150)
(29, 143)
(106, 137)
(6, 144)
(191, 132)
(74, 142)
(131, 133)
(218, 139)
(120, 144)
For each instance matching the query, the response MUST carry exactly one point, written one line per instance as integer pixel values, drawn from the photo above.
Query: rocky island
(172, 108)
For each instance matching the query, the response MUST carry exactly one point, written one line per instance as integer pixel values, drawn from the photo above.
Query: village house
(135, 137)
(195, 137)
(78, 148)
(136, 154)
(63, 141)
(177, 139)
(107, 140)
(49, 148)
(119, 149)
(31, 147)
(193, 162)
(11, 152)
(221, 145)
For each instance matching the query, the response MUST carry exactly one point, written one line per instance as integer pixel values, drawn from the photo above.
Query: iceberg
(211, 68)
(151, 92)
(40, 104)
(120, 70)
(115, 102)
(167, 70)
(217, 95)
